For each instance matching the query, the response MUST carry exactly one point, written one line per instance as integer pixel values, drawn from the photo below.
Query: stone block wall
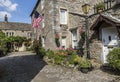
(51, 13)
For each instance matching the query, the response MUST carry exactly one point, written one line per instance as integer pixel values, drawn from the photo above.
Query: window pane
(63, 16)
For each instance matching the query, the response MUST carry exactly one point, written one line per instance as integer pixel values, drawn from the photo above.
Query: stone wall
(51, 13)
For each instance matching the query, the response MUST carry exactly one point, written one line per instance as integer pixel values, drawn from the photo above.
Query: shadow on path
(20, 68)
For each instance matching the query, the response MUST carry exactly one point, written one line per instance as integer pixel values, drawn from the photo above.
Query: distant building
(15, 28)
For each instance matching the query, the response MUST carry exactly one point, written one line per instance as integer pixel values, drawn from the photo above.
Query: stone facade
(16, 29)
(51, 12)
(75, 21)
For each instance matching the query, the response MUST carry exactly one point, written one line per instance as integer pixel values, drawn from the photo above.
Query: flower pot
(84, 70)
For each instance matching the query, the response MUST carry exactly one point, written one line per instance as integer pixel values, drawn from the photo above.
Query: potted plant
(57, 37)
(85, 66)
(100, 7)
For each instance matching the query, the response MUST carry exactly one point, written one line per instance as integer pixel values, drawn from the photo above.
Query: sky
(17, 10)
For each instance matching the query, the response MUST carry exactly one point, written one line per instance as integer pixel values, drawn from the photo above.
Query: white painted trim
(104, 31)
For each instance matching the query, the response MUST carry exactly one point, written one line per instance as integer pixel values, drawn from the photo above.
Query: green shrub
(38, 49)
(73, 58)
(55, 57)
(62, 52)
(50, 54)
(113, 58)
(36, 46)
(58, 59)
(85, 64)
(41, 52)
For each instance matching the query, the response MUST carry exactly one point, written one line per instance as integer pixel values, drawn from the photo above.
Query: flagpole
(36, 23)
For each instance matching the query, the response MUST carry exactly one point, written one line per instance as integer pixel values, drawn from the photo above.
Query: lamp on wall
(86, 8)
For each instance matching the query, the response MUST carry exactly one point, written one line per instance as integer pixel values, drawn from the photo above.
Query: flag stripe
(36, 20)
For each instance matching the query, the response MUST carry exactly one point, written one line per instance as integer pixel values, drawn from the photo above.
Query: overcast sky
(17, 10)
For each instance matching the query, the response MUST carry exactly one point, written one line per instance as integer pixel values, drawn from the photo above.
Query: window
(74, 39)
(42, 4)
(9, 34)
(109, 37)
(64, 42)
(12, 33)
(6, 33)
(63, 16)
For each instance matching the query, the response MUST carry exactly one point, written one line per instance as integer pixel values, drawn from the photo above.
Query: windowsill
(63, 25)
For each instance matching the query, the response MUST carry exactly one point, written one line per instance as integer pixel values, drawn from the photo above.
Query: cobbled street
(27, 67)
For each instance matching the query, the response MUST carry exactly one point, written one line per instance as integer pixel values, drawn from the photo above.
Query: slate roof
(105, 18)
(15, 26)
(38, 1)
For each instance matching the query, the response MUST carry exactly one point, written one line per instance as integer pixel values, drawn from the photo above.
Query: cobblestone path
(26, 67)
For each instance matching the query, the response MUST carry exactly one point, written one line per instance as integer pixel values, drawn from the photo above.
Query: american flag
(36, 20)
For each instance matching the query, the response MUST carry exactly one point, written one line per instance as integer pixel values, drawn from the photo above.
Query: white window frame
(63, 19)
(64, 42)
(74, 39)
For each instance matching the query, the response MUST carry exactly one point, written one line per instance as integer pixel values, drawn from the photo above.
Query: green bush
(85, 64)
(41, 52)
(38, 49)
(113, 58)
(62, 52)
(74, 59)
(50, 54)
(58, 59)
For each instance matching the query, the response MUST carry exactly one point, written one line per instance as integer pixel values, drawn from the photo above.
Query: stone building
(65, 19)
(15, 28)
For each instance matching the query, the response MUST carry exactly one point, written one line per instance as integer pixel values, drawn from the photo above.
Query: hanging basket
(81, 30)
(57, 37)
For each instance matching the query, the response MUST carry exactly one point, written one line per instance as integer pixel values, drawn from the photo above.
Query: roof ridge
(106, 14)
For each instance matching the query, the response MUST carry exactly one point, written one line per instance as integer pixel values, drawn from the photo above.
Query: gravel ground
(26, 67)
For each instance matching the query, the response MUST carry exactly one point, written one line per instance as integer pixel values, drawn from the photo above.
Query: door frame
(103, 55)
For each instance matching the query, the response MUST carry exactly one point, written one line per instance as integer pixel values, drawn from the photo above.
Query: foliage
(15, 39)
(41, 52)
(10, 41)
(58, 59)
(100, 6)
(70, 51)
(83, 35)
(57, 40)
(50, 54)
(74, 59)
(85, 63)
(61, 57)
(56, 56)
(62, 52)
(114, 58)
(3, 49)
(2, 37)
(37, 47)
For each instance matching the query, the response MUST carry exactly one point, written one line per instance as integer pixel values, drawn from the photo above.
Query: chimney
(6, 18)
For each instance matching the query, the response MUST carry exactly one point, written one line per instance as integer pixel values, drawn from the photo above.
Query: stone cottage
(65, 19)
(15, 28)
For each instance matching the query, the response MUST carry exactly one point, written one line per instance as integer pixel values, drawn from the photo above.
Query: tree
(2, 37)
